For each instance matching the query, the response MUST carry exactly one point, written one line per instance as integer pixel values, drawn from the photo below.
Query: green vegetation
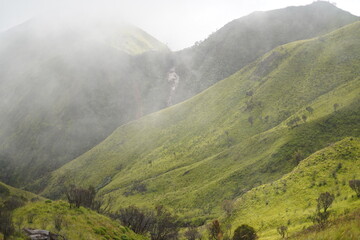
(73, 223)
(243, 40)
(67, 88)
(7, 192)
(293, 200)
(244, 232)
(193, 156)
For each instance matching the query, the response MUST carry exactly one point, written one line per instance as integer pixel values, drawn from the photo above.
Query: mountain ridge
(224, 123)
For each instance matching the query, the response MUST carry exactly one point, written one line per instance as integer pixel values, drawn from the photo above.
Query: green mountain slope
(247, 130)
(36, 212)
(76, 223)
(67, 86)
(7, 192)
(292, 199)
(243, 40)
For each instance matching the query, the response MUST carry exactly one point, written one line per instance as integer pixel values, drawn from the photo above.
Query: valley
(103, 128)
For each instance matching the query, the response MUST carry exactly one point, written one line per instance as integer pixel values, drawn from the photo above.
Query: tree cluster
(355, 185)
(77, 196)
(159, 223)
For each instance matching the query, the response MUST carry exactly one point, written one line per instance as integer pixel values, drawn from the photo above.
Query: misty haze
(117, 123)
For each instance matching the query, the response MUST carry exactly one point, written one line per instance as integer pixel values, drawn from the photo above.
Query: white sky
(177, 23)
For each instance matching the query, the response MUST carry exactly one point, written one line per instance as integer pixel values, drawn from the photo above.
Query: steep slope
(292, 199)
(243, 40)
(65, 86)
(248, 129)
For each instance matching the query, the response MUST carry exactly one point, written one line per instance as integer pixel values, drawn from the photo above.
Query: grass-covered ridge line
(76, 223)
(7, 192)
(238, 134)
(290, 200)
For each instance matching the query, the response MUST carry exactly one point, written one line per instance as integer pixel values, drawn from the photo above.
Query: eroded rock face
(173, 79)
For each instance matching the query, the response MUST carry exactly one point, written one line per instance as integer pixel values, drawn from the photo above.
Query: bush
(355, 185)
(323, 203)
(138, 220)
(214, 230)
(81, 197)
(14, 202)
(245, 232)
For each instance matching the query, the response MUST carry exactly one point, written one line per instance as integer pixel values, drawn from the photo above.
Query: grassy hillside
(7, 192)
(67, 84)
(291, 200)
(243, 40)
(76, 223)
(245, 131)
(56, 216)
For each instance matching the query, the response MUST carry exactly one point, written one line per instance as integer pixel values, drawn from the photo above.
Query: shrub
(244, 232)
(138, 220)
(355, 185)
(14, 202)
(323, 203)
(81, 197)
(214, 230)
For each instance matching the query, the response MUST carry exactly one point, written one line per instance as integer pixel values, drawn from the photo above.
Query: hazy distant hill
(65, 86)
(244, 131)
(243, 40)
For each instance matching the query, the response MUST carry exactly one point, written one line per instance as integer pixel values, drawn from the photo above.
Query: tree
(161, 224)
(282, 230)
(324, 201)
(6, 224)
(355, 185)
(166, 225)
(214, 230)
(139, 220)
(80, 197)
(244, 232)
